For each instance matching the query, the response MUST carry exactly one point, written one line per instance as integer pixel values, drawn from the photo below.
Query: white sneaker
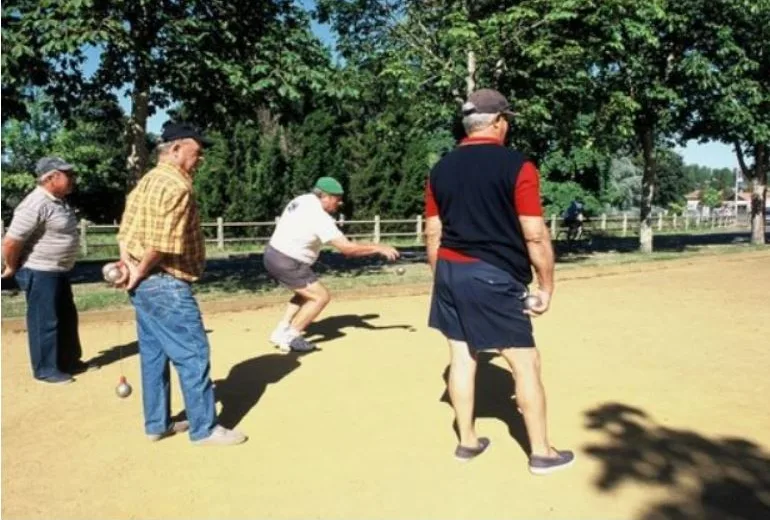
(222, 437)
(277, 337)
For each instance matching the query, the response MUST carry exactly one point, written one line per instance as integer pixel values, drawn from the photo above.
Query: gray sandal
(464, 453)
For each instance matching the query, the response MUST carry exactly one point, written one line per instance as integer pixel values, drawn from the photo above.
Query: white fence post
(220, 233)
(660, 221)
(686, 222)
(376, 229)
(418, 229)
(84, 237)
(625, 224)
(553, 226)
(604, 222)
(673, 221)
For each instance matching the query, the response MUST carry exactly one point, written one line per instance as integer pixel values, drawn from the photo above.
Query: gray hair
(163, 148)
(46, 177)
(476, 122)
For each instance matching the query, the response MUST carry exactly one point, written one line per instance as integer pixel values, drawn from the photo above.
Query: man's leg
(316, 297)
(280, 331)
(462, 387)
(70, 350)
(186, 344)
(42, 323)
(530, 397)
(154, 363)
(291, 310)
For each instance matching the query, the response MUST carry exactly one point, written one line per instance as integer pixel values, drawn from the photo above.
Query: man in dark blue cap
(40, 249)
(162, 247)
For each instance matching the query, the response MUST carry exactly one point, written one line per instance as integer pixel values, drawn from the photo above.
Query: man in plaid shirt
(162, 246)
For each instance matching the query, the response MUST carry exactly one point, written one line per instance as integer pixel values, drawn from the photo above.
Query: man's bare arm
(538, 240)
(12, 249)
(355, 249)
(432, 240)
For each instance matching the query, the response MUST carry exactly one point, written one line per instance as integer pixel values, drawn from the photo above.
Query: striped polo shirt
(48, 228)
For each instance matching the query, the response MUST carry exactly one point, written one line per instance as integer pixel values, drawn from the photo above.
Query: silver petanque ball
(123, 389)
(111, 272)
(532, 301)
(400, 271)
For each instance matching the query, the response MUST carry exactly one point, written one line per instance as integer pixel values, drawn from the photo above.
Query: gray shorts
(288, 271)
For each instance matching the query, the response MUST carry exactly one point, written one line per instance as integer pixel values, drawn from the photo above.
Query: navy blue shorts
(480, 304)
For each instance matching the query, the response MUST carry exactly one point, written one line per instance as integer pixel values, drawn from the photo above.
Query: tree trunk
(758, 201)
(758, 175)
(759, 194)
(470, 80)
(137, 129)
(648, 189)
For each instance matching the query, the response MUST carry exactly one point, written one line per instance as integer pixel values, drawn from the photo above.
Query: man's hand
(11, 256)
(121, 282)
(134, 276)
(391, 253)
(130, 275)
(542, 307)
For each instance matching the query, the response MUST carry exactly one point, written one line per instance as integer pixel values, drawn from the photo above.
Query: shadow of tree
(709, 479)
(331, 328)
(495, 399)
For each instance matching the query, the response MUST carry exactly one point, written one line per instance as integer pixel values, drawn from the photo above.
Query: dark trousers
(52, 322)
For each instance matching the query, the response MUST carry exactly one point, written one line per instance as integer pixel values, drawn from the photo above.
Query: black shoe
(464, 453)
(545, 465)
(57, 379)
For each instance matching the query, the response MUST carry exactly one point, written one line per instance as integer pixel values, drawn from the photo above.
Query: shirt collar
(480, 140)
(49, 194)
(174, 170)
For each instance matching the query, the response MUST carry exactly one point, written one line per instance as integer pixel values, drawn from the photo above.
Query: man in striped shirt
(40, 249)
(162, 247)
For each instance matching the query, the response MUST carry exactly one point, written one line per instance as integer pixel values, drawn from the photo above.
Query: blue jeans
(170, 328)
(52, 322)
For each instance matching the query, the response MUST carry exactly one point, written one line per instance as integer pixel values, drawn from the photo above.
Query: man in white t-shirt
(305, 225)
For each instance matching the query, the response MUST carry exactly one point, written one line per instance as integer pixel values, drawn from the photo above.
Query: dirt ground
(656, 376)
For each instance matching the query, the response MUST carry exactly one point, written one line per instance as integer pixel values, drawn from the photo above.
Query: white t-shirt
(303, 227)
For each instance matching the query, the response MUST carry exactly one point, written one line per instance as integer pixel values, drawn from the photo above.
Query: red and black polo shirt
(479, 190)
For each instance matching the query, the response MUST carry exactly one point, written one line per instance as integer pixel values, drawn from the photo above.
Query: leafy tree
(223, 58)
(732, 104)
(625, 184)
(644, 61)
(711, 198)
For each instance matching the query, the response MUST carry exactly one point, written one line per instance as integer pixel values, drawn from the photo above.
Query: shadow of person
(331, 328)
(116, 353)
(495, 398)
(244, 385)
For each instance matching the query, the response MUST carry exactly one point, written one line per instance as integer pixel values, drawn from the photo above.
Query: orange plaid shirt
(161, 214)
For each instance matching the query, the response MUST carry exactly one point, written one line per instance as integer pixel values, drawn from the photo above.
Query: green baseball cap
(329, 185)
